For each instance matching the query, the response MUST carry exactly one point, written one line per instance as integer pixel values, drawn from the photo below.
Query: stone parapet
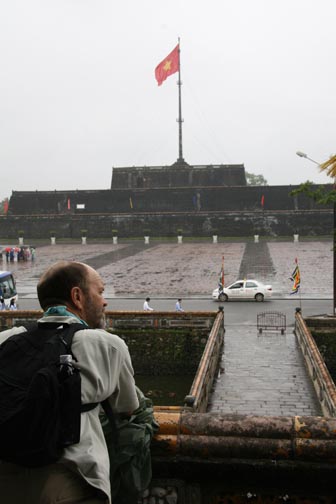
(234, 458)
(318, 371)
(316, 222)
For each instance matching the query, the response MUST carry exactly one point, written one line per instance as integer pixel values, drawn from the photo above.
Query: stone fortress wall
(162, 201)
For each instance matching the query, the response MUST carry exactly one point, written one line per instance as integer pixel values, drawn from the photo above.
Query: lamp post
(304, 155)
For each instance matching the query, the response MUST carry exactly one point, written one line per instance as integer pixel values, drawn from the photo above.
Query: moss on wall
(326, 342)
(164, 352)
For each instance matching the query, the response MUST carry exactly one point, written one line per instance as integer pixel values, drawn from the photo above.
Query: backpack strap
(88, 406)
(112, 420)
(67, 332)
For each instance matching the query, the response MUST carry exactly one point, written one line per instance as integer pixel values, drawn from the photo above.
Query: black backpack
(40, 406)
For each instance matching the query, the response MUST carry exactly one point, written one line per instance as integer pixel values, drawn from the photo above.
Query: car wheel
(222, 297)
(259, 297)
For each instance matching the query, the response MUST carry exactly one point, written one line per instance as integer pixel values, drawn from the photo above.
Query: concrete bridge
(263, 374)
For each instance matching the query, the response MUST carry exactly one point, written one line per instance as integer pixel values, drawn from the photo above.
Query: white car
(243, 289)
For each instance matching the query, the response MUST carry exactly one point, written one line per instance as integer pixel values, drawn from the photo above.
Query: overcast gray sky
(78, 93)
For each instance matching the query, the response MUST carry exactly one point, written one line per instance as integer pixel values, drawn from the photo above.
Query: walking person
(72, 292)
(12, 304)
(146, 306)
(178, 305)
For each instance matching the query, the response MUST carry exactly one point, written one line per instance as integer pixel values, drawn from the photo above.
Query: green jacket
(130, 457)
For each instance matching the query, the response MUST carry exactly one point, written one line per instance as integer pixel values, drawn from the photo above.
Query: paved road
(241, 313)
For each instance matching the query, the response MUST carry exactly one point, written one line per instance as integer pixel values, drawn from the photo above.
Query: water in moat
(166, 390)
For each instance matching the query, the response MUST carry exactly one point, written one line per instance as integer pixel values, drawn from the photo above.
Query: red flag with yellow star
(168, 66)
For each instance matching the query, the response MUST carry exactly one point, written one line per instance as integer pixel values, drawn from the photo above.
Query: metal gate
(271, 321)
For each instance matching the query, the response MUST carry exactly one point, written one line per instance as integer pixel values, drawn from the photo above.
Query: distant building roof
(178, 175)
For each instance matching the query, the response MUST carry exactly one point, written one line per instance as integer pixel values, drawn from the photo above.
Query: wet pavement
(190, 269)
(262, 375)
(256, 261)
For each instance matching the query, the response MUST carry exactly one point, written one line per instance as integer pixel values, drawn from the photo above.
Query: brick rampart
(168, 199)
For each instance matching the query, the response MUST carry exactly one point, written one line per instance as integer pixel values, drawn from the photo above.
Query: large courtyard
(192, 268)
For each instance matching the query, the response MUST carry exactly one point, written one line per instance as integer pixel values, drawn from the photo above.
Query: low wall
(321, 323)
(164, 343)
(204, 378)
(212, 459)
(323, 330)
(318, 371)
(202, 321)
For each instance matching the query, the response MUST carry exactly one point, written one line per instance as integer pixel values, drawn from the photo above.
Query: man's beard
(102, 324)
(94, 319)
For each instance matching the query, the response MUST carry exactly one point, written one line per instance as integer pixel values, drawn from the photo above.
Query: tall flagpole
(180, 120)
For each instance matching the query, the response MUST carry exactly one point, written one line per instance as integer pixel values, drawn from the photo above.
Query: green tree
(253, 179)
(321, 195)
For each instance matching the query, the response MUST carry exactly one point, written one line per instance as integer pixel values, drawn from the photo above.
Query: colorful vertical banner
(296, 278)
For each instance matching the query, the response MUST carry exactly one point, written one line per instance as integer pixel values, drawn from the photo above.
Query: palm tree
(329, 166)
